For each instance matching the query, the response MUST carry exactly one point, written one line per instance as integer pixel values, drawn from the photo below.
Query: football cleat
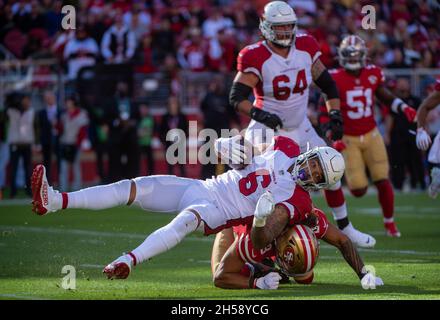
(120, 268)
(44, 197)
(360, 239)
(391, 230)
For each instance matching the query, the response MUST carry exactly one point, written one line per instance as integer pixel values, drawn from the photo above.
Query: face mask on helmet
(352, 53)
(319, 168)
(280, 34)
(278, 24)
(309, 171)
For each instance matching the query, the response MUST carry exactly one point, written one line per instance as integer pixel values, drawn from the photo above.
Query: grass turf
(33, 251)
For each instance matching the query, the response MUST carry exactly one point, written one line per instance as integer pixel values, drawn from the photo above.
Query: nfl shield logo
(372, 79)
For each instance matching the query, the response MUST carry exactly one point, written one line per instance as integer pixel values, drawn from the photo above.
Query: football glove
(270, 281)
(410, 113)
(264, 208)
(231, 149)
(370, 281)
(339, 145)
(423, 140)
(268, 119)
(336, 124)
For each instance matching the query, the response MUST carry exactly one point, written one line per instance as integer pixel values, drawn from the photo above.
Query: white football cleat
(44, 198)
(120, 268)
(360, 239)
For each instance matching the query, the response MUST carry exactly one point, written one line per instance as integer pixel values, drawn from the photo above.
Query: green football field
(33, 251)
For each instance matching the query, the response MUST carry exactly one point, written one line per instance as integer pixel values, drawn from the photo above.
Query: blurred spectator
(52, 16)
(4, 152)
(74, 122)
(164, 40)
(48, 127)
(145, 133)
(79, 52)
(145, 56)
(216, 22)
(192, 54)
(138, 20)
(118, 44)
(400, 138)
(123, 149)
(173, 119)
(21, 137)
(221, 52)
(218, 114)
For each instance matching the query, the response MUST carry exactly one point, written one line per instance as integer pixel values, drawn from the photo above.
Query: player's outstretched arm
(432, 101)
(325, 82)
(423, 140)
(275, 223)
(397, 105)
(237, 151)
(338, 239)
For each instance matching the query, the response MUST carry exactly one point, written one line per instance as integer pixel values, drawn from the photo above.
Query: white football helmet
(332, 164)
(279, 13)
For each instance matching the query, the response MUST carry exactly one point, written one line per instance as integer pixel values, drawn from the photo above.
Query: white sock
(100, 197)
(166, 237)
(340, 212)
(388, 220)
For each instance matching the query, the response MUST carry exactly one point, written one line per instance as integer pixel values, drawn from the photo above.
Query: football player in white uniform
(214, 204)
(279, 70)
(423, 140)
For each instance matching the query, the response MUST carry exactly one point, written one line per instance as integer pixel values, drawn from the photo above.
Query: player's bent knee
(359, 192)
(122, 191)
(132, 192)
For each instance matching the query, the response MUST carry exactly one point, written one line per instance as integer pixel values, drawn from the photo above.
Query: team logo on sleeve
(372, 79)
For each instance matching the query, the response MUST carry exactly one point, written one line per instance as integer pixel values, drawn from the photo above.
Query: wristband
(395, 106)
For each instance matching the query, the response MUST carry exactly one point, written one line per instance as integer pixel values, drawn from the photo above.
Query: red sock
(335, 198)
(65, 200)
(386, 198)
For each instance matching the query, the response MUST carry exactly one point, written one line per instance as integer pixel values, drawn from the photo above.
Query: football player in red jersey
(423, 140)
(239, 265)
(279, 71)
(362, 144)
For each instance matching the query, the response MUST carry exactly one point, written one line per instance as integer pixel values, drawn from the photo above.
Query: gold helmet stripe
(305, 241)
(248, 254)
(240, 243)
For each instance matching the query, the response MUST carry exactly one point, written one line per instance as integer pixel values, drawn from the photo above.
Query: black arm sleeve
(239, 92)
(328, 86)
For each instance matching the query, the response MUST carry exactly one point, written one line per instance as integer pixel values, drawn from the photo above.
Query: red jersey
(437, 84)
(247, 252)
(357, 98)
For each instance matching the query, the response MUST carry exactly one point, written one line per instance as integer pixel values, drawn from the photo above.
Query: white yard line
(15, 202)
(92, 266)
(406, 252)
(91, 233)
(18, 296)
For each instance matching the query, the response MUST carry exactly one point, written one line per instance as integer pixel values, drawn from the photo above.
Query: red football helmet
(297, 251)
(352, 53)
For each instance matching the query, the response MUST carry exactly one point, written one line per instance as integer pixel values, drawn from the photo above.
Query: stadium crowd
(170, 37)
